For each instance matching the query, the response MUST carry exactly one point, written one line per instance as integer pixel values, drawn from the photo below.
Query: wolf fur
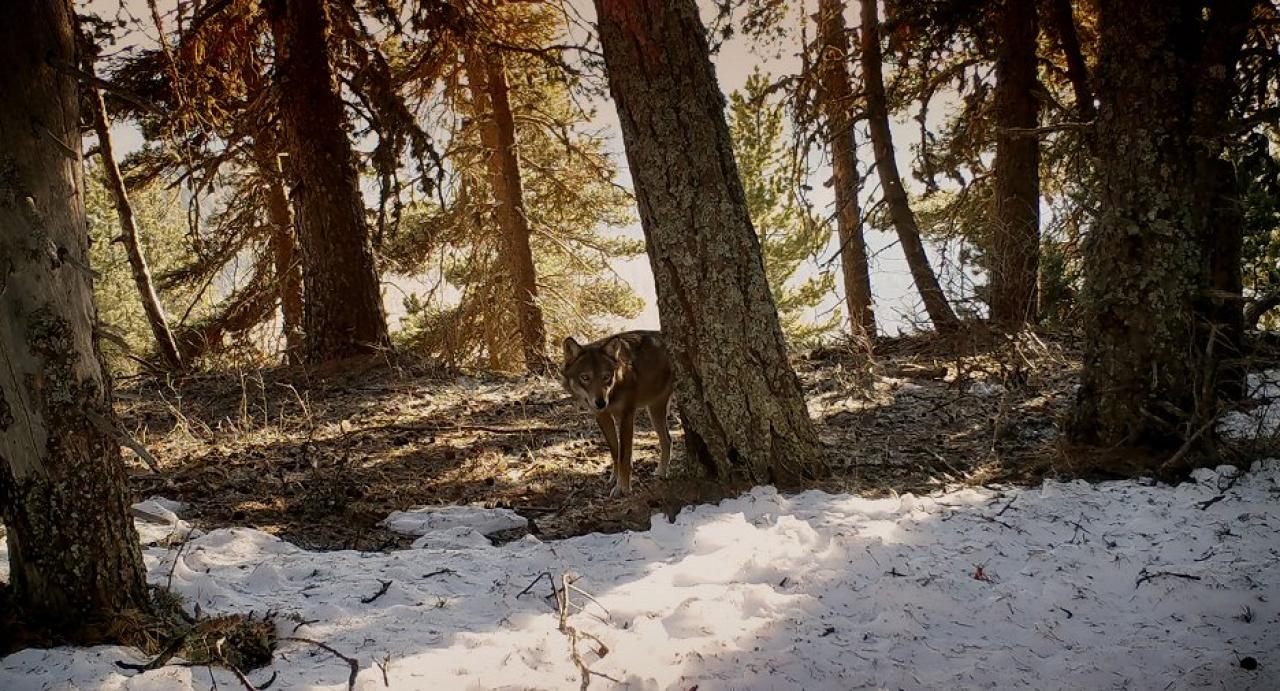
(614, 377)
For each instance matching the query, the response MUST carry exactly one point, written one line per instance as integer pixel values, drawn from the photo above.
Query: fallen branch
(545, 574)
(1144, 576)
(466, 428)
(1189, 443)
(351, 662)
(160, 660)
(562, 599)
(244, 681)
(386, 585)
(1231, 482)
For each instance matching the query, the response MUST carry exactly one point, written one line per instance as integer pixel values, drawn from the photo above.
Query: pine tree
(790, 232)
(571, 202)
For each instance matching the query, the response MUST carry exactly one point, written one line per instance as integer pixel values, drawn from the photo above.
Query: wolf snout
(600, 403)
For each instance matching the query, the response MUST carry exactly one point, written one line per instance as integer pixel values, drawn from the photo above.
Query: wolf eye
(585, 378)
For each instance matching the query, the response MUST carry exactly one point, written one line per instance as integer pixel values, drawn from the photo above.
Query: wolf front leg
(626, 430)
(610, 430)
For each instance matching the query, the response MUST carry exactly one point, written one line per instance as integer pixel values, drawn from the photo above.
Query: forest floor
(321, 457)
(955, 545)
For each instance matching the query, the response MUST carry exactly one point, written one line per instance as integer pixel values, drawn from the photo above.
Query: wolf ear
(571, 349)
(615, 348)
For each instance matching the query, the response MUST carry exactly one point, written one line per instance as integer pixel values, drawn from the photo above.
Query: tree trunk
(1150, 377)
(1015, 245)
(488, 80)
(895, 195)
(741, 403)
(1062, 19)
(837, 107)
(166, 346)
(73, 551)
(342, 308)
(288, 269)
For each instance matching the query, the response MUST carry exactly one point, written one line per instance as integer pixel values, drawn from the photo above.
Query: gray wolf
(614, 377)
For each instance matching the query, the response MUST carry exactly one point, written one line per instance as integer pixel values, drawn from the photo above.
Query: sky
(894, 294)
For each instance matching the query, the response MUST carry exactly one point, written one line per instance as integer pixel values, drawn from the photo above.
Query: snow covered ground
(1120, 585)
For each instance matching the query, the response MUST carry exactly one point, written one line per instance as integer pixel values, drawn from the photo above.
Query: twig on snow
(383, 664)
(244, 681)
(545, 574)
(351, 662)
(159, 660)
(1231, 482)
(386, 585)
(563, 602)
(1145, 575)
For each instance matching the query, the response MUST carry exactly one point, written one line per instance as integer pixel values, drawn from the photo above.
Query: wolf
(615, 376)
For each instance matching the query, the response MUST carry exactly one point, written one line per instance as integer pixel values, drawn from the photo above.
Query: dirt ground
(321, 457)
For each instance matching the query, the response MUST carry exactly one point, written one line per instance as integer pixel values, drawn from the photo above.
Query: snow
(1263, 420)
(1120, 585)
(422, 520)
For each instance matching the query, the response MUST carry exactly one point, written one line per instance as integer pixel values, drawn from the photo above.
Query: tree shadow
(333, 460)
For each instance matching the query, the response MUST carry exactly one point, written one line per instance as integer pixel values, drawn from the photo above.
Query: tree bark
(741, 402)
(895, 195)
(1015, 246)
(166, 346)
(342, 307)
(488, 81)
(73, 551)
(288, 269)
(837, 108)
(1151, 377)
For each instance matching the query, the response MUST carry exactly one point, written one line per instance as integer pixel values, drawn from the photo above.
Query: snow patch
(1263, 420)
(1070, 585)
(425, 520)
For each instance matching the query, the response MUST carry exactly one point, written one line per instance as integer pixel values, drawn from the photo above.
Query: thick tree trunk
(288, 269)
(488, 80)
(1015, 243)
(73, 551)
(166, 346)
(1150, 377)
(837, 108)
(342, 309)
(1062, 19)
(895, 195)
(741, 403)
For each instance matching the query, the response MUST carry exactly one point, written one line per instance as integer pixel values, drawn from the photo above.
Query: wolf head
(591, 372)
